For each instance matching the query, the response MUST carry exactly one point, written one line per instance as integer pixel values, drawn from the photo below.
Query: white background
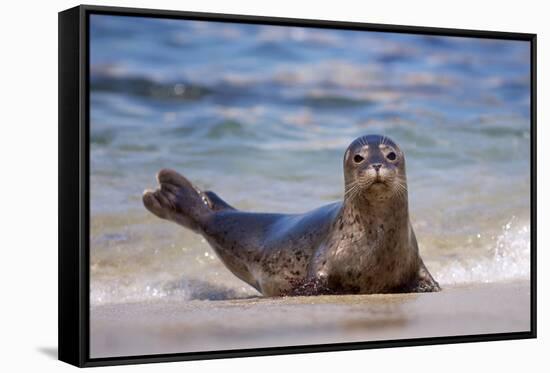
(28, 171)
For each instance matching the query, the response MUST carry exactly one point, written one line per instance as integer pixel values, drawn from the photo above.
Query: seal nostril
(376, 166)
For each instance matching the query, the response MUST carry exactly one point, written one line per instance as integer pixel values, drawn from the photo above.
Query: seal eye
(358, 158)
(391, 156)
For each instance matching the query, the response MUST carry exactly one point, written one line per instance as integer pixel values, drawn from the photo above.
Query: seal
(362, 245)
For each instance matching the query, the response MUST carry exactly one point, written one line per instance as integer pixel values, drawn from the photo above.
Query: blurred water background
(263, 114)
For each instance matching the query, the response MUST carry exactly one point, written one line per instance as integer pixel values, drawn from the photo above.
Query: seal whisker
(401, 192)
(350, 193)
(402, 183)
(353, 190)
(357, 186)
(350, 186)
(400, 188)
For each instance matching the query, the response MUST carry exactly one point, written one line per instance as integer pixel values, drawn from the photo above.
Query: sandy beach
(170, 326)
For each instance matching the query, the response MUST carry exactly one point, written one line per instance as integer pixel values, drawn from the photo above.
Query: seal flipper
(309, 287)
(423, 283)
(216, 203)
(178, 200)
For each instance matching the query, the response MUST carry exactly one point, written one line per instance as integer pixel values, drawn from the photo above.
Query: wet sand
(169, 326)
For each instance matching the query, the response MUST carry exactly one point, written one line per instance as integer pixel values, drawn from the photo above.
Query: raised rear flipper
(178, 200)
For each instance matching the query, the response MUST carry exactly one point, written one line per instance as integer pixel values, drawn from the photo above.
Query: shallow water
(263, 114)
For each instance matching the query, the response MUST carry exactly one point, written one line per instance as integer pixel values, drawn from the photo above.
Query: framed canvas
(234, 186)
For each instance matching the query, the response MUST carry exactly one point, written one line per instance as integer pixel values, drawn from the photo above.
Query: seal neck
(369, 207)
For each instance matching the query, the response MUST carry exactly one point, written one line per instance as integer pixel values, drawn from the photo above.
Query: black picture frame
(74, 185)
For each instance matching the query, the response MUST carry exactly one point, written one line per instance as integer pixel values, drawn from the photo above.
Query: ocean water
(262, 115)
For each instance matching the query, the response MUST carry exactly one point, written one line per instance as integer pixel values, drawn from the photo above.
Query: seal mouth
(378, 179)
(379, 184)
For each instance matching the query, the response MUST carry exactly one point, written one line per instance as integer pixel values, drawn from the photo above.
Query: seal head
(374, 169)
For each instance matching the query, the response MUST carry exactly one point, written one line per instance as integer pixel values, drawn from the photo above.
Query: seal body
(364, 244)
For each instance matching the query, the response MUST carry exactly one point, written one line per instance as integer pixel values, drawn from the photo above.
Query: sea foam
(507, 258)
